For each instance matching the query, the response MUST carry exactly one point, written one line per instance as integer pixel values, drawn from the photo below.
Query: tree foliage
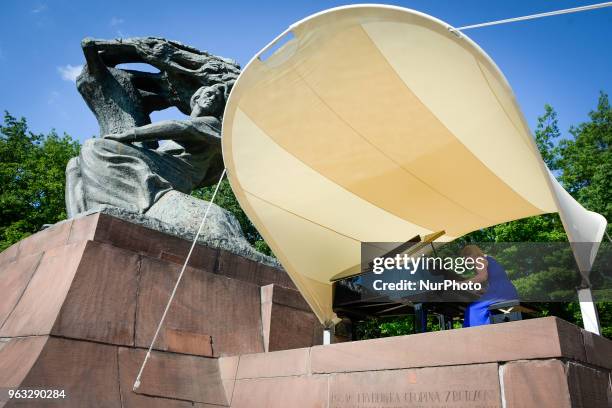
(546, 134)
(32, 179)
(585, 161)
(226, 199)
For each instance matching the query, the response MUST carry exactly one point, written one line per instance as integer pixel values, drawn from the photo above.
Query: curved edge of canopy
(323, 311)
(585, 229)
(580, 224)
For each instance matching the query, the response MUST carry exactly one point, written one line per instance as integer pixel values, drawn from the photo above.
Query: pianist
(499, 288)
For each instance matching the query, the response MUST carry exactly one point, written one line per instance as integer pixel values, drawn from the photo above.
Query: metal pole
(327, 336)
(590, 320)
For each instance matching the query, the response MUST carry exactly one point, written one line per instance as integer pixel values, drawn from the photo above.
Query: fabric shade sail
(377, 124)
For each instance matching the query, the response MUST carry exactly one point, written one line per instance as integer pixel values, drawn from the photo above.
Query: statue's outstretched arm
(204, 129)
(95, 64)
(128, 50)
(113, 52)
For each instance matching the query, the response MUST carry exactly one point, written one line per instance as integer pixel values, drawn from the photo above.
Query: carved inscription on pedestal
(470, 386)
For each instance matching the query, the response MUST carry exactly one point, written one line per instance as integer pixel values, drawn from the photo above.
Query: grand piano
(356, 295)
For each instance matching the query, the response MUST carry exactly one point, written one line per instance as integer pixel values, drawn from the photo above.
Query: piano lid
(413, 247)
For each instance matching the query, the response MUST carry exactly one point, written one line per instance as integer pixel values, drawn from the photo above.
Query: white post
(326, 336)
(590, 321)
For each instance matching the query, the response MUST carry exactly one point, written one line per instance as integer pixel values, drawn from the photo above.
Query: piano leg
(442, 321)
(420, 318)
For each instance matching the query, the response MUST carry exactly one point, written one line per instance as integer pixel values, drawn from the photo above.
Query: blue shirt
(500, 287)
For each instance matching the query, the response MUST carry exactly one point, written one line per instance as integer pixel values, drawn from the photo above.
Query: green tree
(586, 160)
(546, 134)
(32, 179)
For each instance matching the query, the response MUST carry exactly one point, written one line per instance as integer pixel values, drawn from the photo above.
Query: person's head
(209, 101)
(472, 251)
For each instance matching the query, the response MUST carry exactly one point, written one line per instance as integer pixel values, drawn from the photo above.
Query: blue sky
(563, 60)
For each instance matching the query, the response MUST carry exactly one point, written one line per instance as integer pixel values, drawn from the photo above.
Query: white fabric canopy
(379, 123)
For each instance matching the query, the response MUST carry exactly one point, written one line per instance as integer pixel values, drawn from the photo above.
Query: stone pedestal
(80, 302)
(536, 363)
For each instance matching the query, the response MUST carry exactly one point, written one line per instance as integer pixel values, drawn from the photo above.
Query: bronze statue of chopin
(127, 167)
